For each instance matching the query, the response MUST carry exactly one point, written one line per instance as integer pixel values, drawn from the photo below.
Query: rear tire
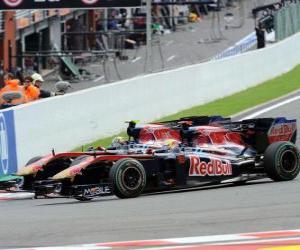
(128, 178)
(282, 161)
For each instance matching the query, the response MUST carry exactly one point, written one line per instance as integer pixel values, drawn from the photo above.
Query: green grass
(236, 103)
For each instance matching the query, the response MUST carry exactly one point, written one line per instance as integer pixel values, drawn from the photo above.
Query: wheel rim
(131, 178)
(289, 161)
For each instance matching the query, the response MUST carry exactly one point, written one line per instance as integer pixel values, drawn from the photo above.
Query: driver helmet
(118, 142)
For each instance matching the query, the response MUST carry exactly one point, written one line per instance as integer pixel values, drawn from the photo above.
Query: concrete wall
(68, 121)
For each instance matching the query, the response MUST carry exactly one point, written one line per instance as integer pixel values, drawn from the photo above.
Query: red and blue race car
(177, 154)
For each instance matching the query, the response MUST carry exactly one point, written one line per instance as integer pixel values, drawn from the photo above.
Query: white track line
(277, 105)
(255, 241)
(16, 196)
(240, 243)
(209, 238)
(136, 59)
(98, 79)
(158, 244)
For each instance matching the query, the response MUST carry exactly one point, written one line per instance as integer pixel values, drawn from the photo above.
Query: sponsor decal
(89, 1)
(214, 167)
(13, 3)
(8, 158)
(282, 129)
(281, 132)
(94, 191)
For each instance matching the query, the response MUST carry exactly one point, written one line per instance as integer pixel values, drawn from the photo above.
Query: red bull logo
(281, 132)
(214, 167)
(282, 129)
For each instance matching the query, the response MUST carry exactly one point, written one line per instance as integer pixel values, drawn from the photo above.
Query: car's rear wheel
(128, 178)
(282, 161)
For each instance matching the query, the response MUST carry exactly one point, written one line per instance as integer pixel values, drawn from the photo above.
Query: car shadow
(209, 187)
(203, 187)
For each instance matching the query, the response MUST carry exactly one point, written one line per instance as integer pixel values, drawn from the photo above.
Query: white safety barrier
(66, 122)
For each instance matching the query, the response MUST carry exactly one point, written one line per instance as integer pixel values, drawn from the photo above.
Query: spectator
(37, 81)
(32, 93)
(19, 75)
(260, 35)
(12, 86)
(7, 77)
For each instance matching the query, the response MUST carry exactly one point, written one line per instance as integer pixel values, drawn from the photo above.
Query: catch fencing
(287, 21)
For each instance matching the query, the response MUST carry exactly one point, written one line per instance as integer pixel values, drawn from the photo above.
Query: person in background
(7, 77)
(37, 81)
(260, 36)
(13, 86)
(1, 80)
(19, 74)
(32, 93)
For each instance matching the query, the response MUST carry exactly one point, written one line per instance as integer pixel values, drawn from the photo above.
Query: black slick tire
(282, 161)
(128, 178)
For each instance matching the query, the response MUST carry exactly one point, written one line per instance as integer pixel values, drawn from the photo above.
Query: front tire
(282, 161)
(128, 178)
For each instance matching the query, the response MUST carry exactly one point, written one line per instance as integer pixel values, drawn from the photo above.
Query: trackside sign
(8, 156)
(58, 4)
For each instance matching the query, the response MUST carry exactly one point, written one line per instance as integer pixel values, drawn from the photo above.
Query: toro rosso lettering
(214, 167)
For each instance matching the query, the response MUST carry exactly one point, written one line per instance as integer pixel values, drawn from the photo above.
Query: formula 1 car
(141, 138)
(215, 153)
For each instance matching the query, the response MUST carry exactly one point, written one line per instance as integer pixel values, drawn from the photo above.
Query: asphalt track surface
(258, 206)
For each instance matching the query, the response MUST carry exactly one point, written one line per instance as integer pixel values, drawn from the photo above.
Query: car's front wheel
(128, 178)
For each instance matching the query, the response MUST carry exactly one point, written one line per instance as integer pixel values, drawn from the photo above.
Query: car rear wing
(261, 132)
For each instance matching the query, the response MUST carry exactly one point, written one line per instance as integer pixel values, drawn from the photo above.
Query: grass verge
(236, 103)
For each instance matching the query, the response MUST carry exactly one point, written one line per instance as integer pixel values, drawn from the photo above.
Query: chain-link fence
(287, 21)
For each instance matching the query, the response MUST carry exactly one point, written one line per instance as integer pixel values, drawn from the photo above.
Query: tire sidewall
(117, 177)
(282, 172)
(273, 161)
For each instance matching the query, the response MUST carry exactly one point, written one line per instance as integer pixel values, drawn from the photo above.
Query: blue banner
(8, 154)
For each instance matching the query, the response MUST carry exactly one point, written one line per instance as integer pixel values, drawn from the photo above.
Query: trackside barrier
(240, 47)
(65, 122)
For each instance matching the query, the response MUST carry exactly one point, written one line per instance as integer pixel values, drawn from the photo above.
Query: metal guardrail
(240, 47)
